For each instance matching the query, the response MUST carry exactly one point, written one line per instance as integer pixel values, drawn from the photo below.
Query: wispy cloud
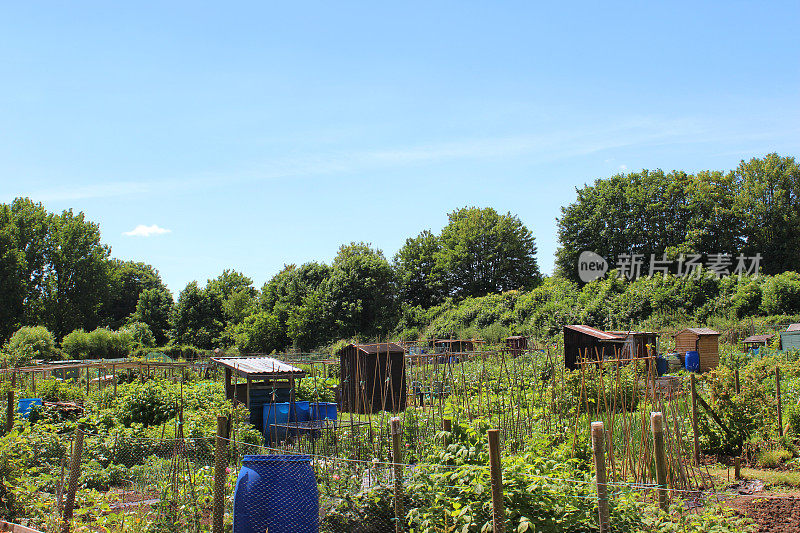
(637, 131)
(146, 231)
(623, 167)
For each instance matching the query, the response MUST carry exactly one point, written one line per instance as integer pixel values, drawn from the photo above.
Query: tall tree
(198, 318)
(155, 308)
(415, 262)
(483, 252)
(769, 207)
(129, 279)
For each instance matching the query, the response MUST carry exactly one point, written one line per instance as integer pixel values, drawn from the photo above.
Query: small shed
(373, 378)
(756, 341)
(790, 339)
(637, 344)
(265, 380)
(703, 340)
(516, 344)
(588, 343)
(455, 345)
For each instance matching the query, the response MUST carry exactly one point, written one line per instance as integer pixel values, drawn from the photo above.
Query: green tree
(29, 343)
(420, 282)
(483, 252)
(768, 204)
(260, 332)
(198, 318)
(128, 280)
(155, 308)
(360, 295)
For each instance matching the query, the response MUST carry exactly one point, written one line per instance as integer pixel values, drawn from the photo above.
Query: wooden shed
(756, 341)
(790, 339)
(637, 344)
(373, 378)
(703, 340)
(455, 345)
(516, 344)
(264, 380)
(588, 343)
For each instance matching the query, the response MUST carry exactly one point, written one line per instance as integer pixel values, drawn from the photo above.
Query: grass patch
(773, 458)
(769, 477)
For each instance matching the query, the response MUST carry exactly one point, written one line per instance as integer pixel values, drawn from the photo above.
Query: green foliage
(98, 344)
(142, 334)
(128, 280)
(781, 294)
(773, 458)
(259, 333)
(154, 308)
(29, 343)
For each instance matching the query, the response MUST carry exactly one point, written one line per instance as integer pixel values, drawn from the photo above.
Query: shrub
(30, 343)
(773, 458)
(98, 344)
(781, 294)
(142, 334)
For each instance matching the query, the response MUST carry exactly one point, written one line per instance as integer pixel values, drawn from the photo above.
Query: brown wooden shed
(588, 343)
(703, 340)
(516, 344)
(373, 378)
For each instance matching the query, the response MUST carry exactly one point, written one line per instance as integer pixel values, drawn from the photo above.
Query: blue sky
(258, 134)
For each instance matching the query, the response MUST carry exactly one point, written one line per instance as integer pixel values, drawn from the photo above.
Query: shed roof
(254, 367)
(593, 332)
(793, 327)
(758, 338)
(514, 337)
(698, 331)
(381, 347)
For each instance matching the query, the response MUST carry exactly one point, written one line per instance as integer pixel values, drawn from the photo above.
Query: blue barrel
(692, 361)
(26, 405)
(302, 413)
(323, 411)
(276, 413)
(276, 493)
(662, 366)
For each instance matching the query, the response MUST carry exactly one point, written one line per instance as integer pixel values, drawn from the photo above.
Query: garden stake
(220, 476)
(657, 427)
(74, 475)
(398, 475)
(598, 450)
(778, 398)
(499, 514)
(695, 435)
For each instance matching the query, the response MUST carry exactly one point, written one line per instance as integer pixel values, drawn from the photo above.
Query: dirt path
(772, 512)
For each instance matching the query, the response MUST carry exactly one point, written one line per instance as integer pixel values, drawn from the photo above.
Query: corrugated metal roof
(257, 366)
(381, 347)
(759, 338)
(514, 337)
(596, 333)
(793, 327)
(699, 331)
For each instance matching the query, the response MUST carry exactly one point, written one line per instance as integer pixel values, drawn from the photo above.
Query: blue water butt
(662, 366)
(692, 361)
(276, 413)
(302, 413)
(26, 405)
(323, 411)
(276, 493)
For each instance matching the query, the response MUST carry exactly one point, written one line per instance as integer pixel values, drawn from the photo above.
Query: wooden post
(599, 452)
(737, 468)
(220, 474)
(499, 513)
(399, 514)
(33, 382)
(695, 431)
(736, 381)
(657, 427)
(10, 411)
(74, 474)
(447, 424)
(778, 398)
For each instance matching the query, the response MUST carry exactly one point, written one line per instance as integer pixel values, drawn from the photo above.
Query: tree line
(55, 271)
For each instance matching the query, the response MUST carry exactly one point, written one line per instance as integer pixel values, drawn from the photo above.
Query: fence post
(736, 380)
(599, 452)
(737, 468)
(499, 513)
(778, 397)
(397, 433)
(657, 427)
(220, 474)
(695, 432)
(10, 411)
(74, 473)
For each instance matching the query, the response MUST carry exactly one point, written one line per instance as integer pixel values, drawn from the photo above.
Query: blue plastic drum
(323, 411)
(276, 413)
(276, 493)
(692, 361)
(302, 413)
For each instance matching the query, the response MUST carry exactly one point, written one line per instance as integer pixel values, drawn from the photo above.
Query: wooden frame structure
(373, 378)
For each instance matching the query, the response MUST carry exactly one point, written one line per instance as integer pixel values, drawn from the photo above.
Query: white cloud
(146, 231)
(623, 167)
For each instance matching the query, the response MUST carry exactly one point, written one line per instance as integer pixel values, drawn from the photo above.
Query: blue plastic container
(276, 413)
(26, 405)
(302, 413)
(662, 366)
(323, 411)
(692, 362)
(276, 493)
